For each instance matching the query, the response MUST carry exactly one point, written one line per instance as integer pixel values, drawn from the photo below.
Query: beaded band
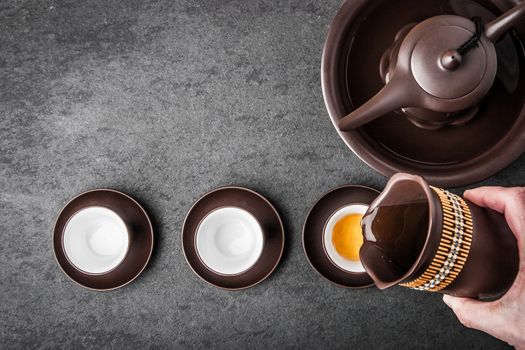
(454, 246)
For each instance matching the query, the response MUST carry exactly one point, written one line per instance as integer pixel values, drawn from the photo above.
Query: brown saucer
(454, 155)
(313, 233)
(266, 215)
(140, 239)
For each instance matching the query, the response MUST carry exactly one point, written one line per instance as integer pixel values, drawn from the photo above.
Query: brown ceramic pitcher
(430, 239)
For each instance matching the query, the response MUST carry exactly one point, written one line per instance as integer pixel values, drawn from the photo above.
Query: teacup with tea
(342, 237)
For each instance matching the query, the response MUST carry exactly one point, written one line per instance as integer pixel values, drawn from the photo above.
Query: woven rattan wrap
(454, 246)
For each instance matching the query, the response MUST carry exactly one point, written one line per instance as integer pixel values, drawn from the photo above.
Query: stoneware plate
(452, 156)
(314, 227)
(260, 217)
(139, 238)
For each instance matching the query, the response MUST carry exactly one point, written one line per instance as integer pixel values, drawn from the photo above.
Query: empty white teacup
(229, 240)
(335, 257)
(96, 240)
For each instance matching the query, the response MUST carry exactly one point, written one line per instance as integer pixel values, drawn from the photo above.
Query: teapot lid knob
(451, 59)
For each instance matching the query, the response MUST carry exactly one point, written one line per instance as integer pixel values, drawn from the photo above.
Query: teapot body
(421, 117)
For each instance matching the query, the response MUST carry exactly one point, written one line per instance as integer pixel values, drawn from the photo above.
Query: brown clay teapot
(430, 239)
(437, 71)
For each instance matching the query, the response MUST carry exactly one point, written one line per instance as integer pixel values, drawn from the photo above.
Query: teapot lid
(430, 50)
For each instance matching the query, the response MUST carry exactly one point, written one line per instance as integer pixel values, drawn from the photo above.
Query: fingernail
(446, 299)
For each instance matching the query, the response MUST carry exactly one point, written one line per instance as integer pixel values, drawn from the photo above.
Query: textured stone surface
(166, 100)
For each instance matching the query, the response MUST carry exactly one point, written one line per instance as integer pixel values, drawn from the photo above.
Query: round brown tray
(452, 156)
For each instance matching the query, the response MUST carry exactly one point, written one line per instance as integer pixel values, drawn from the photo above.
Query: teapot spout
(394, 95)
(497, 27)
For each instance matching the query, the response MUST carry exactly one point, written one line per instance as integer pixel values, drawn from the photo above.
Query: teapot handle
(397, 93)
(498, 26)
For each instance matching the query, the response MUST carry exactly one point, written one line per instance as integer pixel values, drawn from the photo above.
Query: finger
(493, 197)
(508, 201)
(474, 314)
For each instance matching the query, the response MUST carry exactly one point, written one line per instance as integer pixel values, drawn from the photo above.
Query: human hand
(503, 318)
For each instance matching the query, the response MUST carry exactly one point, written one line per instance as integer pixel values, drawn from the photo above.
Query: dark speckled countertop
(166, 100)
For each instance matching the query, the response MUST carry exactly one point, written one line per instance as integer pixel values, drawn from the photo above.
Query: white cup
(335, 257)
(229, 240)
(96, 240)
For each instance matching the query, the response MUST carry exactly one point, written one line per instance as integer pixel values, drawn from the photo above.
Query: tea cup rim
(263, 238)
(128, 245)
(325, 227)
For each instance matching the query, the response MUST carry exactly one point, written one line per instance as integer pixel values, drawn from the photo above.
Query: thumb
(471, 313)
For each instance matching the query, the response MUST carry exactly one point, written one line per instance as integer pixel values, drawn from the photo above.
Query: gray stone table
(165, 100)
